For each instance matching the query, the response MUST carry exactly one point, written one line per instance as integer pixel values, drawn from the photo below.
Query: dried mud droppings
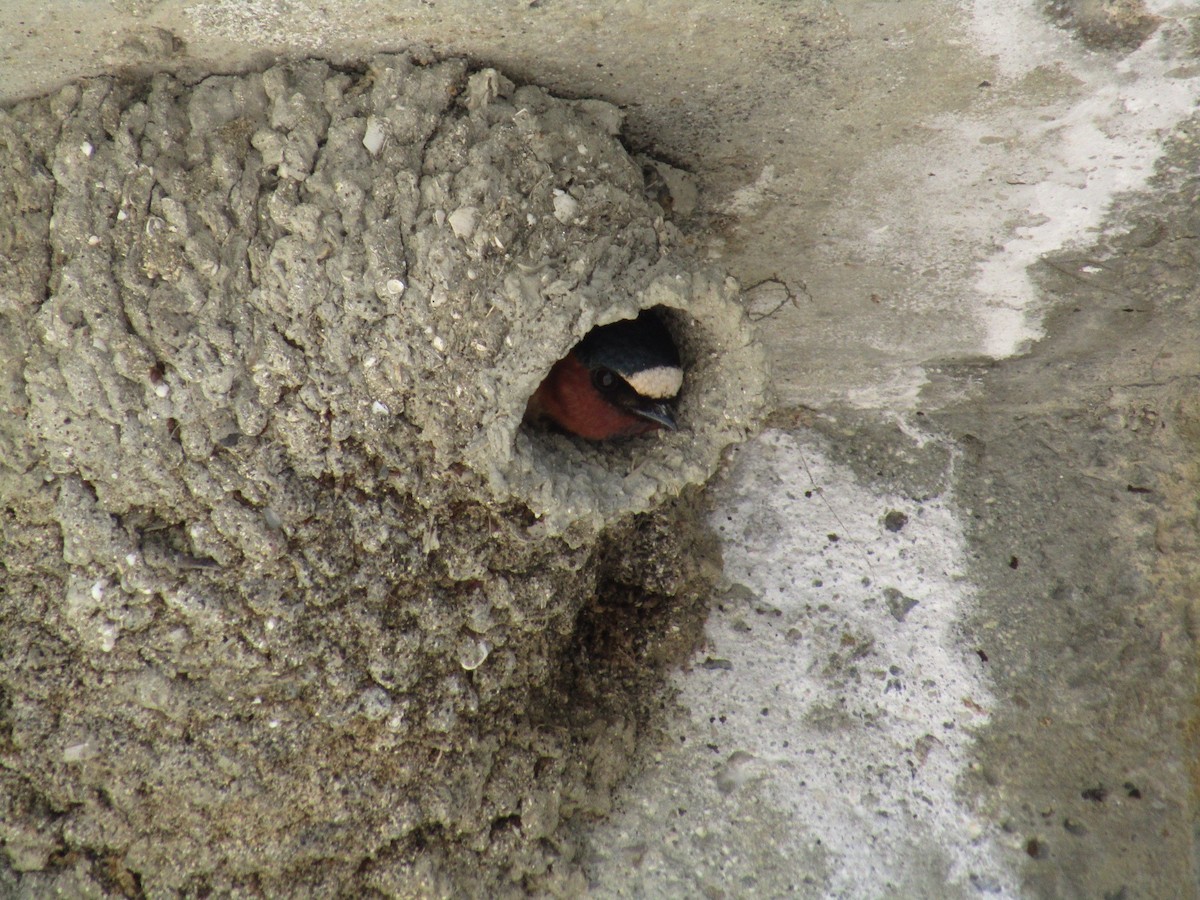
(287, 589)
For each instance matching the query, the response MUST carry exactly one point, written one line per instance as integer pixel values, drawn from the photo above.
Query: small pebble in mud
(1075, 827)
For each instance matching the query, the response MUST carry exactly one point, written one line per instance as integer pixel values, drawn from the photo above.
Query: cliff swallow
(621, 380)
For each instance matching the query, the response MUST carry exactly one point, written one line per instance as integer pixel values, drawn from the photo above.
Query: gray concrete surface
(952, 651)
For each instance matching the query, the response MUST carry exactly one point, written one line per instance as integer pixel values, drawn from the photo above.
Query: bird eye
(604, 379)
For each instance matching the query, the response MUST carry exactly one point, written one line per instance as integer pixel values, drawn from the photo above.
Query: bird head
(621, 380)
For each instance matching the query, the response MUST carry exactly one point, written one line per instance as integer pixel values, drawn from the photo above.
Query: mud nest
(290, 595)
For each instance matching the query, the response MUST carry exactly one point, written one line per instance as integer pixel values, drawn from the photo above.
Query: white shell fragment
(462, 221)
(473, 653)
(566, 207)
(374, 136)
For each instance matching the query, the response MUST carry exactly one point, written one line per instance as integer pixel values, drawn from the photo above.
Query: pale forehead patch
(659, 383)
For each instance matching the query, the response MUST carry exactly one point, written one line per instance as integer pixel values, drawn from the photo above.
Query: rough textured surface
(976, 302)
(289, 590)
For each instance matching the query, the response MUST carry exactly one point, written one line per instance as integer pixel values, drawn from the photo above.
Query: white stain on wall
(831, 715)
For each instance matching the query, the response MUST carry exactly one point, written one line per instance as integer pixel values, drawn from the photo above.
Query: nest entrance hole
(674, 321)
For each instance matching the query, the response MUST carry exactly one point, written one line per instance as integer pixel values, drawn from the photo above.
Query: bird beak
(660, 413)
